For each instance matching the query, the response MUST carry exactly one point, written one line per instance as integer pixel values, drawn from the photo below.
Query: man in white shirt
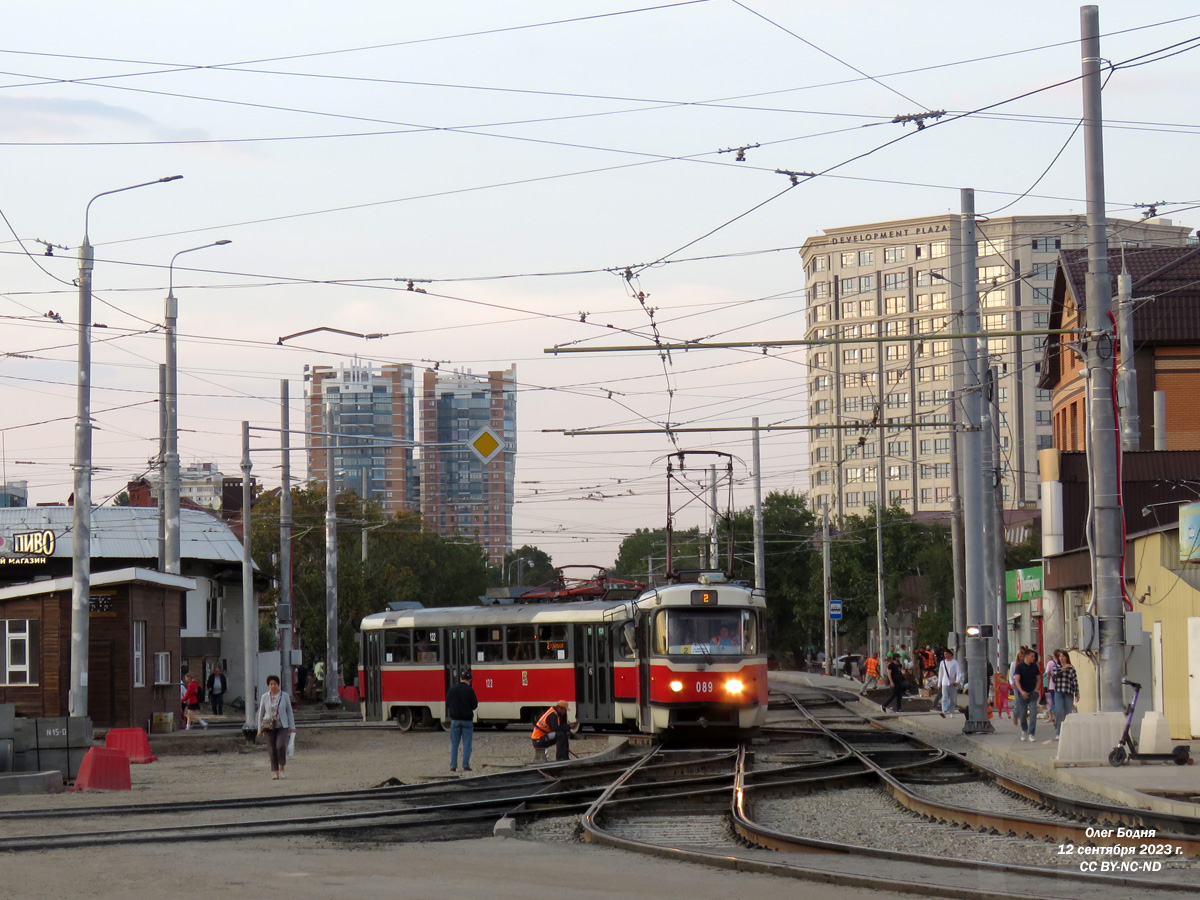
(949, 675)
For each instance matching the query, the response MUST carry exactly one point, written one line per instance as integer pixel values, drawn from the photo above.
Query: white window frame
(139, 653)
(162, 668)
(10, 638)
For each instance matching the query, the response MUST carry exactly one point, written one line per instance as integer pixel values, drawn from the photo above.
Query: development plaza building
(898, 279)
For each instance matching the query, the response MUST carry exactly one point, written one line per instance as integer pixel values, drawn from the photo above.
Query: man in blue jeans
(461, 703)
(1025, 679)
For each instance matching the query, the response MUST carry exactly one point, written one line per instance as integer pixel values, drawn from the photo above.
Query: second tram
(686, 655)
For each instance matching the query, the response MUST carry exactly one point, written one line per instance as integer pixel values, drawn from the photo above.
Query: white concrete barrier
(1088, 738)
(1155, 734)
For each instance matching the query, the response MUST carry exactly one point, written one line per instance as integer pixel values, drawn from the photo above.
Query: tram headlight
(734, 686)
(676, 686)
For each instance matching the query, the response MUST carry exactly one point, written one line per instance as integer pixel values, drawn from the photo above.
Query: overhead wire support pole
(81, 516)
(760, 555)
(972, 479)
(283, 612)
(331, 567)
(249, 601)
(1108, 548)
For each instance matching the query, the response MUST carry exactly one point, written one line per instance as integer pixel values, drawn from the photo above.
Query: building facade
(193, 621)
(460, 492)
(898, 280)
(371, 414)
(13, 494)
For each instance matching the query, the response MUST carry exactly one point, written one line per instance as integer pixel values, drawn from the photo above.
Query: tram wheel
(404, 718)
(1119, 756)
(445, 724)
(499, 726)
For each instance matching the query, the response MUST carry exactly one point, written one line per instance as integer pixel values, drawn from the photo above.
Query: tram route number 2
(704, 687)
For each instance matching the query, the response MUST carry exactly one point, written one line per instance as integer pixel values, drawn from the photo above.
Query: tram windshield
(706, 632)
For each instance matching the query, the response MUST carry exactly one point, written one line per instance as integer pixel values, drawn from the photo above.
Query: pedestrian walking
(276, 723)
(1025, 681)
(218, 684)
(895, 677)
(1066, 690)
(949, 675)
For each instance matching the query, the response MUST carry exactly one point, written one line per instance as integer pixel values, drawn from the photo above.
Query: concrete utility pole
(714, 545)
(331, 566)
(283, 611)
(1107, 551)
(880, 484)
(169, 487)
(956, 522)
(81, 516)
(826, 590)
(1131, 425)
(972, 479)
(162, 444)
(999, 605)
(249, 601)
(760, 551)
(987, 437)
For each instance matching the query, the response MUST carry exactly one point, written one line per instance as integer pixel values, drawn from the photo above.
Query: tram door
(593, 673)
(645, 721)
(458, 654)
(372, 656)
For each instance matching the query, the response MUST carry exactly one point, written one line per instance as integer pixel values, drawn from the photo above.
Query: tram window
(552, 642)
(489, 643)
(425, 645)
(397, 645)
(750, 630)
(627, 641)
(521, 641)
(707, 632)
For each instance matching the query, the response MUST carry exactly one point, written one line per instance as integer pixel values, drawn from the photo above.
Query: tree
(528, 566)
(644, 553)
(404, 561)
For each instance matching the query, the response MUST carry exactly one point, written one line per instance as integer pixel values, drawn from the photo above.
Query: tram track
(734, 838)
(452, 808)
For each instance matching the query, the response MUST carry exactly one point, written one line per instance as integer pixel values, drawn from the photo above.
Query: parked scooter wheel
(1182, 755)
(1119, 756)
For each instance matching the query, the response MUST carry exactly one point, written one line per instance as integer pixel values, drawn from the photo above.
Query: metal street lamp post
(81, 549)
(170, 479)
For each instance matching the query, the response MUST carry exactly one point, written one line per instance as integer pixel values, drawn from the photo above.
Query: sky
(546, 174)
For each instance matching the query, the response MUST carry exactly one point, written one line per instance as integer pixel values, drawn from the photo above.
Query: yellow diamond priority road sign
(485, 444)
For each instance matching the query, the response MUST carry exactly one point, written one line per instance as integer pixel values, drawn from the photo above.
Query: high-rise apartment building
(371, 414)
(460, 493)
(898, 279)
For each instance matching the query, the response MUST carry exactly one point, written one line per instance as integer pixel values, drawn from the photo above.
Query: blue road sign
(835, 609)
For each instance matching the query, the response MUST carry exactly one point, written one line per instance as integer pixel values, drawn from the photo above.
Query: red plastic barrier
(349, 694)
(133, 742)
(103, 770)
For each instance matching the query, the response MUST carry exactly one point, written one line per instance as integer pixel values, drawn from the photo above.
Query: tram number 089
(704, 687)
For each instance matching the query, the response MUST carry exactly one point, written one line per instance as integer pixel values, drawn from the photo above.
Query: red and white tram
(679, 656)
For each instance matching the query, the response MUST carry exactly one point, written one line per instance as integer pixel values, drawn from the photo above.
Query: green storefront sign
(1025, 586)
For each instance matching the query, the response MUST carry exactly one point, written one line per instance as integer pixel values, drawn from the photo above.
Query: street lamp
(170, 474)
(520, 562)
(81, 543)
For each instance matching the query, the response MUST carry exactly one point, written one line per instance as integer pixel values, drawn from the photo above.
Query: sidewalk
(1163, 787)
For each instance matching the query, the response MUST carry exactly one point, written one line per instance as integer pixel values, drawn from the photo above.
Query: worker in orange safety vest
(552, 729)
(872, 679)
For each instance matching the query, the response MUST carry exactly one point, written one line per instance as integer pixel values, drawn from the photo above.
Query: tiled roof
(1165, 279)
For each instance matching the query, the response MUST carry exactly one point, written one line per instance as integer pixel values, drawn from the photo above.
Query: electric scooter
(1126, 749)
